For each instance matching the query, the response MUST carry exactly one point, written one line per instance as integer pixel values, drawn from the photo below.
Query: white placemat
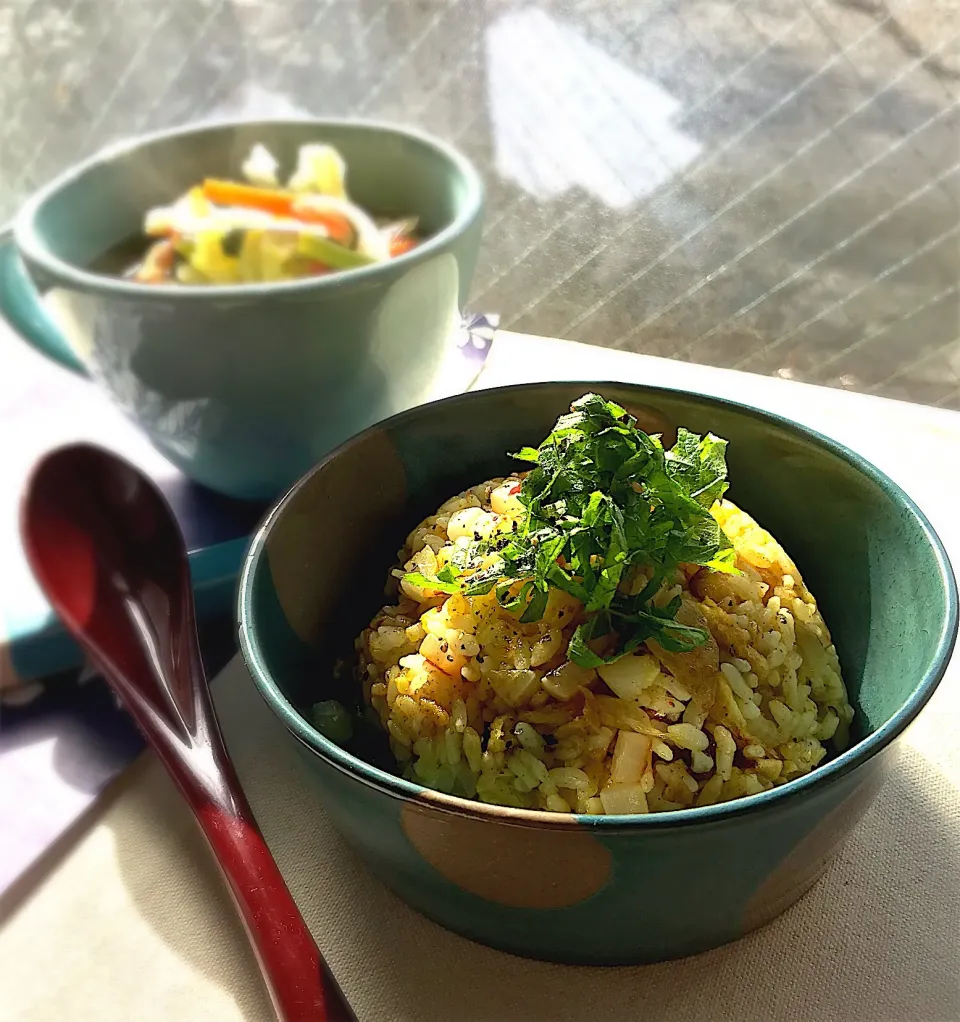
(132, 924)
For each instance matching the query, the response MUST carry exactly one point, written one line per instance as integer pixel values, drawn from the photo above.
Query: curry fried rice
(483, 706)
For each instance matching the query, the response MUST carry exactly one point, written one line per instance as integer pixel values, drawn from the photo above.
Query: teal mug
(243, 387)
(576, 888)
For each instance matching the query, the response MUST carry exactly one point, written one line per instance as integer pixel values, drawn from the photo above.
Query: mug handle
(20, 306)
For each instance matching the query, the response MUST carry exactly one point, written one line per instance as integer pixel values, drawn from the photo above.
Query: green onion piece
(332, 720)
(328, 252)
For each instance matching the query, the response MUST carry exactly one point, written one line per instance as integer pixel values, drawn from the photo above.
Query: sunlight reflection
(564, 113)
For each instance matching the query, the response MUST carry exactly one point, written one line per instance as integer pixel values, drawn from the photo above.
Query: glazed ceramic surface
(583, 888)
(245, 387)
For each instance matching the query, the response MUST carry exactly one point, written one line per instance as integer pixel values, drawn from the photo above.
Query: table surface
(129, 920)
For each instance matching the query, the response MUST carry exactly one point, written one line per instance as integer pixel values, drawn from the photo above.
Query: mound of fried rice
(479, 705)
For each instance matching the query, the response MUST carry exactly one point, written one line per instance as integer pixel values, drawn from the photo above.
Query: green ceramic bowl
(598, 889)
(244, 387)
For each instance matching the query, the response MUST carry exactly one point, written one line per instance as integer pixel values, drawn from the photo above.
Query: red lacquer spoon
(108, 553)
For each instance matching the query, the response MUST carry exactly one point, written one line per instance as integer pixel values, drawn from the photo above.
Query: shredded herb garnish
(603, 497)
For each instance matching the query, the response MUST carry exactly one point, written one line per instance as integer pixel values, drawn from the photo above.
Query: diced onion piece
(485, 525)
(631, 757)
(567, 680)
(504, 500)
(429, 682)
(434, 620)
(545, 648)
(461, 523)
(623, 799)
(629, 676)
(443, 654)
(514, 687)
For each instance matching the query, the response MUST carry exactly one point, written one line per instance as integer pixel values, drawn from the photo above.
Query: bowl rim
(408, 791)
(33, 248)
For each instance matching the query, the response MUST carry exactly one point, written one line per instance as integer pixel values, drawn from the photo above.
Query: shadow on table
(92, 738)
(177, 888)
(876, 938)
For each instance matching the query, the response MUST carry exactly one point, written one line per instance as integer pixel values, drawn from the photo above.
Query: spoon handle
(301, 987)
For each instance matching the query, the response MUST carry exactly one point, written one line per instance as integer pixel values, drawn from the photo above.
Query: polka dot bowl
(596, 889)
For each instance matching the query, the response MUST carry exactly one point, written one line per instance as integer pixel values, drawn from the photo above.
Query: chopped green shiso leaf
(602, 497)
